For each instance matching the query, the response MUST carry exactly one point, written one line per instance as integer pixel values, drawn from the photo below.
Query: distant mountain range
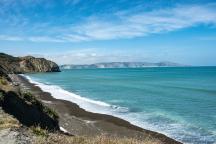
(121, 65)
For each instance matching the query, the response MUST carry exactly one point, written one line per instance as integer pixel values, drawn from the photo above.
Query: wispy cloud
(146, 23)
(43, 39)
(125, 25)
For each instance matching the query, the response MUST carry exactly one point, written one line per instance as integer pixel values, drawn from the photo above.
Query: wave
(85, 103)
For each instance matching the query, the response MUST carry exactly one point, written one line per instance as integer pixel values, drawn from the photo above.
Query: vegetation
(3, 81)
(38, 131)
(102, 139)
(50, 112)
(7, 121)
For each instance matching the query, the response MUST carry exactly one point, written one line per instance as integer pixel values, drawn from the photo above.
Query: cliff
(28, 64)
(22, 104)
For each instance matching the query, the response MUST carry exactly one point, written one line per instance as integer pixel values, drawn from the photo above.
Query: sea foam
(85, 103)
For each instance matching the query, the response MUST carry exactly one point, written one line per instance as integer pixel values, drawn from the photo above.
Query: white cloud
(43, 39)
(90, 58)
(146, 23)
(126, 25)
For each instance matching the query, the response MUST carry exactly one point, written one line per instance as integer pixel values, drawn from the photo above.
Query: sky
(92, 31)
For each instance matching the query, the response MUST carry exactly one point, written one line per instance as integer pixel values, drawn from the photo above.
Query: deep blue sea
(179, 102)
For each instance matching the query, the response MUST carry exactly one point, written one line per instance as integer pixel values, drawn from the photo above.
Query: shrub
(3, 81)
(38, 131)
(50, 112)
(29, 97)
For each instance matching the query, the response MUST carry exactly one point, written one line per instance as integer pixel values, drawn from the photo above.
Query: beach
(78, 121)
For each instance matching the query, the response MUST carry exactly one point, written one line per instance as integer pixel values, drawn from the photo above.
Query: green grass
(38, 131)
(3, 81)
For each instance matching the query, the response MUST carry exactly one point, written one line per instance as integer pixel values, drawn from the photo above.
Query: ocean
(179, 102)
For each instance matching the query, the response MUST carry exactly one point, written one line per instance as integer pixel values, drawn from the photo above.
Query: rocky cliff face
(10, 64)
(31, 64)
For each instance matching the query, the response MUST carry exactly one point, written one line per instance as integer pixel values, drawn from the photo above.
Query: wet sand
(78, 121)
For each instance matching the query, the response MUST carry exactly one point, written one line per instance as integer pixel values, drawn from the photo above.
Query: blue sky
(90, 31)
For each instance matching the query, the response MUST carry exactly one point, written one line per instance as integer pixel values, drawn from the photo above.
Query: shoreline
(78, 121)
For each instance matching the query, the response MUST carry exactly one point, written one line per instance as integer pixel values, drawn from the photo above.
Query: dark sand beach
(78, 121)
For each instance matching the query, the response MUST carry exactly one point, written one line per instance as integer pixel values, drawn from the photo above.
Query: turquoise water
(179, 102)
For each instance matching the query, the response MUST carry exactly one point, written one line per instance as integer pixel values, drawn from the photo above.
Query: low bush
(3, 81)
(38, 131)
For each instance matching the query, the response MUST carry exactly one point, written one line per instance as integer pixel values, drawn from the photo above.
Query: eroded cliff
(28, 64)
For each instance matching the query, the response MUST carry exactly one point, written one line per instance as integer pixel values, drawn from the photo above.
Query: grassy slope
(102, 139)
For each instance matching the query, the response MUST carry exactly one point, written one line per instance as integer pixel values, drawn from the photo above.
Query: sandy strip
(78, 121)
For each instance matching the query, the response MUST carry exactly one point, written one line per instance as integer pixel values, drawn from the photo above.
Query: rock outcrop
(28, 64)
(28, 110)
(3, 73)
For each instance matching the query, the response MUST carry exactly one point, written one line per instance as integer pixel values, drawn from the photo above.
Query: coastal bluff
(28, 64)
(20, 102)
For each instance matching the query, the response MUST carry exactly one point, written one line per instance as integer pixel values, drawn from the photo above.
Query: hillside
(28, 64)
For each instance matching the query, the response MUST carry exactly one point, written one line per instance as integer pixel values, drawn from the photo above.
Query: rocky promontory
(28, 64)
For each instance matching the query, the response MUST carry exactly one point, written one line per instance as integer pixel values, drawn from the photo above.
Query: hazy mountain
(121, 65)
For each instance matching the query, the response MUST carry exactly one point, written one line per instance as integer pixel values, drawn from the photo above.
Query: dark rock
(3, 73)
(29, 114)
